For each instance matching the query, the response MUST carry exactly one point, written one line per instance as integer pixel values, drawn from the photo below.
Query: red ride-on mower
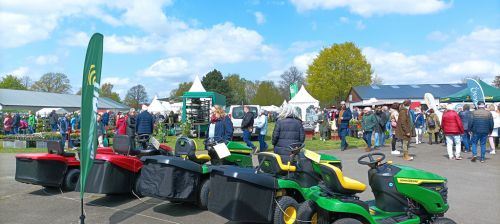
(117, 173)
(56, 168)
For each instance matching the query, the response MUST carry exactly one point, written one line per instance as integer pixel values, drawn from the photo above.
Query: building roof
(415, 91)
(303, 97)
(24, 98)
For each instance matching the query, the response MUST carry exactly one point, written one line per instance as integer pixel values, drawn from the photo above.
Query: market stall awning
(491, 94)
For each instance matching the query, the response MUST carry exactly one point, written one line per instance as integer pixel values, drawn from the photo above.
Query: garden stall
(196, 108)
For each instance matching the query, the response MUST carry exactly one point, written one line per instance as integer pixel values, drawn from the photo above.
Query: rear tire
(347, 221)
(307, 212)
(285, 211)
(204, 191)
(444, 221)
(71, 179)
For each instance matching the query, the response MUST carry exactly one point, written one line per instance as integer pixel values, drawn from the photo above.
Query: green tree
(107, 91)
(267, 94)
(496, 81)
(214, 81)
(136, 96)
(287, 78)
(237, 88)
(52, 83)
(335, 71)
(181, 89)
(11, 82)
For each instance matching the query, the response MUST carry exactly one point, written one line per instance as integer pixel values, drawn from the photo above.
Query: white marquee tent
(303, 100)
(46, 111)
(156, 106)
(197, 86)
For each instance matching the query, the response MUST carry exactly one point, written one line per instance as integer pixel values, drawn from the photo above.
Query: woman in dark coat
(288, 130)
(221, 127)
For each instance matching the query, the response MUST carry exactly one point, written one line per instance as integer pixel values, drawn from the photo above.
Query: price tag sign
(222, 150)
(155, 143)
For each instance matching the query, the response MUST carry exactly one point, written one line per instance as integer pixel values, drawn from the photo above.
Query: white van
(235, 112)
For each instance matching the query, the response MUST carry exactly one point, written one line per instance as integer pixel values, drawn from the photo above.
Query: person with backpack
(433, 126)
(419, 125)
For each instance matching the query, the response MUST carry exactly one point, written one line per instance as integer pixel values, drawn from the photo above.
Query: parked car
(236, 113)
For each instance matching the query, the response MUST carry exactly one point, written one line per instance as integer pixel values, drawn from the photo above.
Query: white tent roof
(284, 103)
(271, 108)
(197, 86)
(166, 105)
(303, 97)
(156, 106)
(46, 111)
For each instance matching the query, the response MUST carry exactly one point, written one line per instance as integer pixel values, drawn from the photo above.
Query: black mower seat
(55, 147)
(121, 145)
(336, 181)
(186, 148)
(272, 163)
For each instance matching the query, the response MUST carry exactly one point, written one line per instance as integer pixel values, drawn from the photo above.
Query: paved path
(473, 194)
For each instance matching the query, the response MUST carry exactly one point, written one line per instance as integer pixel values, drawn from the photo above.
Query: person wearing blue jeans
(466, 118)
(466, 139)
(262, 129)
(368, 123)
(247, 127)
(367, 136)
(481, 126)
(344, 116)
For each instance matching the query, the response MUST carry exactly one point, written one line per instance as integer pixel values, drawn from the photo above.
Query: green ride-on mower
(184, 177)
(270, 193)
(402, 195)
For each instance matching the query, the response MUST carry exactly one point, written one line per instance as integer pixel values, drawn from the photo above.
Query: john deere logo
(91, 77)
(266, 163)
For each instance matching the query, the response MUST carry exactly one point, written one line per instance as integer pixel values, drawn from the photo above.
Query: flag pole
(82, 215)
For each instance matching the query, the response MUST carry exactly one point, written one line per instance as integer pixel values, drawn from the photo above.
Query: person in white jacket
(496, 125)
(261, 124)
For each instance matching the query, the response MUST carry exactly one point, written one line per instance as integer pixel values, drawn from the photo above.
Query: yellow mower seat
(336, 181)
(272, 163)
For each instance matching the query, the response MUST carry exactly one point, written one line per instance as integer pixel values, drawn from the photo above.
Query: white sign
(222, 150)
(155, 143)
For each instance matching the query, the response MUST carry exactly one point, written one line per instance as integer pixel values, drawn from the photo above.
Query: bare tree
(26, 80)
(496, 81)
(464, 79)
(287, 78)
(52, 83)
(136, 96)
(377, 80)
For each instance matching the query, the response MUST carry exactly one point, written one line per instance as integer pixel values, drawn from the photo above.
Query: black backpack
(431, 123)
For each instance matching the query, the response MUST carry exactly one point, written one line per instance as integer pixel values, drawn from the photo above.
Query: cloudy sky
(159, 43)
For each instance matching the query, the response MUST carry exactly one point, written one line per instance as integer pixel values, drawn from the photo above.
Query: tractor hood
(411, 174)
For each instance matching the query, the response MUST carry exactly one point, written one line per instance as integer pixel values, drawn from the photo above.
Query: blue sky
(159, 43)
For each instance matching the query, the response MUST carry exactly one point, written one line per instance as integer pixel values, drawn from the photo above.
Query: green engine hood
(412, 173)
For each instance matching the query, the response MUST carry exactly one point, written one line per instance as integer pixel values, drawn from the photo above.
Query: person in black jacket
(466, 118)
(130, 122)
(247, 127)
(288, 130)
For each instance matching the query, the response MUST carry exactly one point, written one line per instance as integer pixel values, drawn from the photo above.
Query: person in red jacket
(452, 129)
(121, 125)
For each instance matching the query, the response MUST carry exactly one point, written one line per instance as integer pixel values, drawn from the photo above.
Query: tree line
(328, 78)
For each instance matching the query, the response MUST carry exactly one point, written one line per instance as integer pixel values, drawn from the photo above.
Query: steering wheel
(374, 159)
(296, 147)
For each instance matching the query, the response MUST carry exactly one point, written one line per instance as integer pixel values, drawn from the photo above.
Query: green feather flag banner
(90, 93)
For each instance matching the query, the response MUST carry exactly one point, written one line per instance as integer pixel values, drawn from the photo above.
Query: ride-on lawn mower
(272, 191)
(184, 177)
(56, 168)
(117, 172)
(402, 195)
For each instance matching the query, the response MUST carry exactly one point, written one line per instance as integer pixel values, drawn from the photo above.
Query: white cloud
(301, 46)
(344, 19)
(474, 54)
(259, 18)
(19, 72)
(303, 61)
(26, 21)
(369, 7)
(46, 59)
(168, 67)
(437, 36)
(116, 81)
(360, 25)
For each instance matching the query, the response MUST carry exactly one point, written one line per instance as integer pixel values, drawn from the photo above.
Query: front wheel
(347, 221)
(308, 212)
(204, 190)
(444, 221)
(285, 211)
(71, 179)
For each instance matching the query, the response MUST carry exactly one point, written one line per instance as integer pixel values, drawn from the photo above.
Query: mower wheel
(347, 221)
(135, 190)
(204, 190)
(71, 179)
(444, 221)
(285, 211)
(307, 212)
